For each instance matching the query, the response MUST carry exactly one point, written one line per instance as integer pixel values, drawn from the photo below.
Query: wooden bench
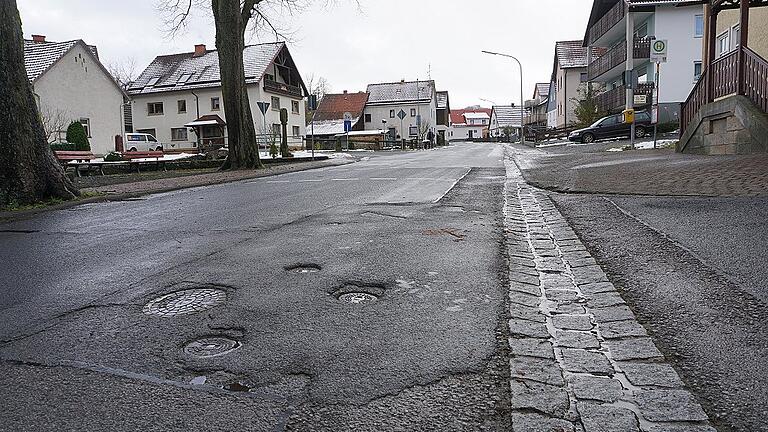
(132, 157)
(77, 159)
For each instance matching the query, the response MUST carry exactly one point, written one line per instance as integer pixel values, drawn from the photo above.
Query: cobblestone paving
(580, 361)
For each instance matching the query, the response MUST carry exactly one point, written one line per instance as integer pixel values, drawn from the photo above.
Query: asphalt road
(693, 271)
(422, 231)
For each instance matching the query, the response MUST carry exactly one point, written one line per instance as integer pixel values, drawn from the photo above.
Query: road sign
(312, 102)
(659, 50)
(347, 126)
(263, 107)
(401, 115)
(347, 117)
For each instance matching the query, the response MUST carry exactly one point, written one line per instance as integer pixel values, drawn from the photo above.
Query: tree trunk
(28, 170)
(230, 43)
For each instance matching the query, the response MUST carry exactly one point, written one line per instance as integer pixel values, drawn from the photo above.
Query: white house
(505, 116)
(70, 84)
(414, 98)
(178, 97)
(680, 22)
(469, 123)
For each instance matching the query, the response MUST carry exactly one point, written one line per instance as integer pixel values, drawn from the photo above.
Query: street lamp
(522, 99)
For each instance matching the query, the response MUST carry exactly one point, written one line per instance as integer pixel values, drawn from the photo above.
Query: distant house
(178, 97)
(536, 108)
(329, 117)
(415, 99)
(680, 22)
(70, 84)
(469, 124)
(443, 115)
(569, 77)
(505, 117)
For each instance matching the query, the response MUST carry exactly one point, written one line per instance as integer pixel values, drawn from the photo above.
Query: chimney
(402, 81)
(200, 50)
(38, 38)
(345, 92)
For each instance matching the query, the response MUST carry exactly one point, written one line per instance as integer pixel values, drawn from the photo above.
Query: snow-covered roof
(442, 100)
(327, 127)
(476, 115)
(403, 91)
(508, 116)
(187, 71)
(542, 89)
(40, 56)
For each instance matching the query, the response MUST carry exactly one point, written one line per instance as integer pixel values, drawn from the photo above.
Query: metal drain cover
(185, 302)
(211, 347)
(357, 298)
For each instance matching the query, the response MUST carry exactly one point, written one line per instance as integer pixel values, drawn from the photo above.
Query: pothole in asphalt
(303, 268)
(211, 347)
(185, 302)
(359, 293)
(237, 387)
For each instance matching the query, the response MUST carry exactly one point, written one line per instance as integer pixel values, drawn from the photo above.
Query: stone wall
(733, 125)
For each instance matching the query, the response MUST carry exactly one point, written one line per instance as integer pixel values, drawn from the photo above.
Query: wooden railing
(616, 98)
(618, 55)
(756, 79)
(607, 22)
(276, 87)
(724, 71)
(722, 78)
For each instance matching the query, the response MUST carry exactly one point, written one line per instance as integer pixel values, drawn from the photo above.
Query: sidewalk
(591, 169)
(580, 360)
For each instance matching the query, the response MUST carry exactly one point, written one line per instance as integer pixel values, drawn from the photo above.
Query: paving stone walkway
(580, 361)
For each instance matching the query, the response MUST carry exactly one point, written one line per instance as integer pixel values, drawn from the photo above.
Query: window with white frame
(735, 37)
(277, 130)
(182, 106)
(295, 107)
(86, 122)
(155, 108)
(698, 26)
(178, 134)
(723, 43)
(215, 104)
(296, 131)
(275, 103)
(391, 114)
(413, 112)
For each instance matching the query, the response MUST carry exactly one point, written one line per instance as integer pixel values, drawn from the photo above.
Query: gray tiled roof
(442, 100)
(40, 56)
(508, 115)
(571, 54)
(542, 89)
(185, 71)
(401, 92)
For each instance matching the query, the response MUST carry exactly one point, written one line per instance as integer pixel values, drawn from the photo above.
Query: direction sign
(263, 107)
(347, 117)
(347, 126)
(659, 50)
(401, 115)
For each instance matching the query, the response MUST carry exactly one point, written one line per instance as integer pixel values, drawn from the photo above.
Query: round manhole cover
(357, 298)
(185, 302)
(211, 347)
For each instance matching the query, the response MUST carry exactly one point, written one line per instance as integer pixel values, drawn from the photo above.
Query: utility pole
(628, 77)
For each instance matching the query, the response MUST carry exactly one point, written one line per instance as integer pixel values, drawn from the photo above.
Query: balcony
(614, 16)
(535, 118)
(615, 58)
(614, 100)
(284, 89)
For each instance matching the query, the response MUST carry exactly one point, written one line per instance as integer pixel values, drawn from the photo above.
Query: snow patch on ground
(647, 145)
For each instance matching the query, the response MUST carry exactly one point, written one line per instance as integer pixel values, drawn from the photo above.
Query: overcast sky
(382, 41)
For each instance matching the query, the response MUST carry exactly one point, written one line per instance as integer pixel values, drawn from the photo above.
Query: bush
(338, 146)
(351, 146)
(76, 135)
(63, 146)
(668, 127)
(113, 157)
(273, 150)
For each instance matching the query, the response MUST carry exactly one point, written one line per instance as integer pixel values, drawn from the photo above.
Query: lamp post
(522, 99)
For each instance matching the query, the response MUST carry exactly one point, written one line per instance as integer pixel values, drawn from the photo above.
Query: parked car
(613, 126)
(141, 142)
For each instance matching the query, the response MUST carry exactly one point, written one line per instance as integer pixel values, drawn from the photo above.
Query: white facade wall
(428, 112)
(171, 118)
(82, 89)
(461, 132)
(677, 74)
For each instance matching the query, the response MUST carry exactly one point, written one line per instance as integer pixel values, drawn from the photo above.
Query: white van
(141, 142)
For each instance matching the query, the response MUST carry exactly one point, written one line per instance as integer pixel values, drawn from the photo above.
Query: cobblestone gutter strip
(579, 359)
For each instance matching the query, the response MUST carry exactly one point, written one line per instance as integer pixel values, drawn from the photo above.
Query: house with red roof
(328, 120)
(469, 124)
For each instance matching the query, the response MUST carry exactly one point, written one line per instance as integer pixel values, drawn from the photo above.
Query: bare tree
(124, 72)
(55, 121)
(28, 170)
(318, 86)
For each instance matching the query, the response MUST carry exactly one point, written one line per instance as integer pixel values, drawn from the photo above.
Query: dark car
(613, 126)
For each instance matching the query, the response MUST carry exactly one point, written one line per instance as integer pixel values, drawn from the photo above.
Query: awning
(207, 120)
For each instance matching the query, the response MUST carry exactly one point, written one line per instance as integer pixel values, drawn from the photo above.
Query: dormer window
(152, 82)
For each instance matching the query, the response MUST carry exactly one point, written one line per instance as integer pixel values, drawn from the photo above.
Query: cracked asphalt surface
(421, 230)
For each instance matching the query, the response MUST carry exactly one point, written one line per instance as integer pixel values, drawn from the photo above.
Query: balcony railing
(288, 90)
(617, 56)
(610, 19)
(612, 100)
(535, 118)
